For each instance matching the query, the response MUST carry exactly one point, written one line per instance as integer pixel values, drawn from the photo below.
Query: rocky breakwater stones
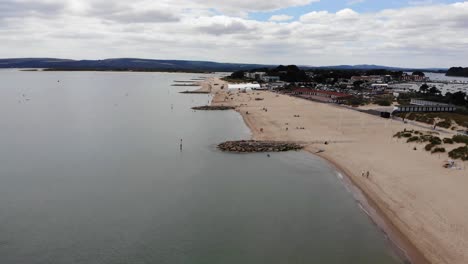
(250, 146)
(213, 107)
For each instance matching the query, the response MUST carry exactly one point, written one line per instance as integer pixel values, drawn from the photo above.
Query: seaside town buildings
(320, 95)
(355, 90)
(261, 76)
(418, 105)
(414, 78)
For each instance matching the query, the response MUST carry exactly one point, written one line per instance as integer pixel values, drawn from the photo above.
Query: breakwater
(195, 92)
(250, 146)
(213, 108)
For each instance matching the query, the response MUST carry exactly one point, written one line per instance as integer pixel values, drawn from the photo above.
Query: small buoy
(268, 155)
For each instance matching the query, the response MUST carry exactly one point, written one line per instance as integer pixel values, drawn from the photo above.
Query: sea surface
(91, 172)
(442, 77)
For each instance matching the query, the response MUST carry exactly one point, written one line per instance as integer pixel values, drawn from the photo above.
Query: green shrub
(444, 124)
(425, 138)
(413, 139)
(436, 141)
(460, 139)
(406, 134)
(438, 150)
(448, 141)
(384, 102)
(428, 147)
(459, 153)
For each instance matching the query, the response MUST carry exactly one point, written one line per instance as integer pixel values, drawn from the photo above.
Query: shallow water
(91, 172)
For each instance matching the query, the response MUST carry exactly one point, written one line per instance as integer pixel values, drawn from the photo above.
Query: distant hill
(162, 65)
(126, 64)
(457, 72)
(376, 67)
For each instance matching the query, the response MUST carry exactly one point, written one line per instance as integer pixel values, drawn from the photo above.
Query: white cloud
(427, 35)
(280, 18)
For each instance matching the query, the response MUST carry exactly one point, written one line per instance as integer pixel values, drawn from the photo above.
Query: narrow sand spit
(422, 200)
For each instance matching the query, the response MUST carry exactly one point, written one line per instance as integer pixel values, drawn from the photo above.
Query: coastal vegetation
(356, 101)
(434, 144)
(459, 153)
(460, 139)
(439, 119)
(438, 150)
(419, 73)
(457, 72)
(384, 100)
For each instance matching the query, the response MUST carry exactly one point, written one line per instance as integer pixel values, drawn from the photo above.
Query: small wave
(339, 175)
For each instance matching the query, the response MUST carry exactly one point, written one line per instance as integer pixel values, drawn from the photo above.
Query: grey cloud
(150, 16)
(14, 8)
(216, 28)
(105, 28)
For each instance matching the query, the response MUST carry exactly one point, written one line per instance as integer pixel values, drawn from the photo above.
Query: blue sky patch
(332, 6)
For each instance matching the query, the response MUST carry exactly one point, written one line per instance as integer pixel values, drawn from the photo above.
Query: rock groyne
(194, 92)
(250, 146)
(213, 108)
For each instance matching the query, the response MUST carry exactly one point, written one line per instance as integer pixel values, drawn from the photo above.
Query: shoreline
(415, 201)
(399, 242)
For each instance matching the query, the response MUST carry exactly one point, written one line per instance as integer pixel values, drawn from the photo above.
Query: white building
(254, 75)
(379, 86)
(244, 87)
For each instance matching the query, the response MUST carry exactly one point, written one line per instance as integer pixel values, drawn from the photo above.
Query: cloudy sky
(411, 33)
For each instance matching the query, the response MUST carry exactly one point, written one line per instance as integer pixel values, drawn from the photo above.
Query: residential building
(271, 79)
(329, 96)
(254, 75)
(414, 78)
(371, 79)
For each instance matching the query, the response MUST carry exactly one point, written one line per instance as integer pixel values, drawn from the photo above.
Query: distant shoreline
(114, 70)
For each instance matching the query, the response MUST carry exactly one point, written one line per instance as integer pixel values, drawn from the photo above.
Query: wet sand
(416, 196)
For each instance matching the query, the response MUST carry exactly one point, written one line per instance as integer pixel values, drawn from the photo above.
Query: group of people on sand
(366, 174)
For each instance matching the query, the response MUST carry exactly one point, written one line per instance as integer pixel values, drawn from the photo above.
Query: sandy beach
(422, 200)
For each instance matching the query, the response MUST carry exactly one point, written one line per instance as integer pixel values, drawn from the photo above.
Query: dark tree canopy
(237, 75)
(434, 91)
(458, 71)
(424, 88)
(458, 98)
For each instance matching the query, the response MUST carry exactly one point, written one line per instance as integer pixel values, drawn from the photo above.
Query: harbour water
(91, 172)
(442, 77)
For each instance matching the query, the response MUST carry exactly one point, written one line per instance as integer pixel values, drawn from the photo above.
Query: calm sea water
(91, 172)
(442, 77)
